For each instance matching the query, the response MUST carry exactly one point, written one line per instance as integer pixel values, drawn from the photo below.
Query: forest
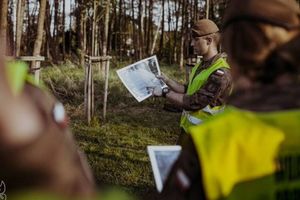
(59, 38)
(60, 29)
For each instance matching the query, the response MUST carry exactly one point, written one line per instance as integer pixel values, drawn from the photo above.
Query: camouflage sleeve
(215, 92)
(185, 178)
(185, 88)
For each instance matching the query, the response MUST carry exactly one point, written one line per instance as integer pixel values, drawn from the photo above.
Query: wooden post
(89, 84)
(107, 63)
(88, 90)
(92, 90)
(37, 71)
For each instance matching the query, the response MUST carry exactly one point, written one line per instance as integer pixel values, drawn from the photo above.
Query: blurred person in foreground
(252, 149)
(209, 83)
(38, 155)
(37, 150)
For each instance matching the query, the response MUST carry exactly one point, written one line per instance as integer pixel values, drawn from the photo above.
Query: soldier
(37, 150)
(252, 150)
(209, 82)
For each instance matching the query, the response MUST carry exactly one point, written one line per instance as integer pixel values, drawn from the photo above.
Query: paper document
(140, 76)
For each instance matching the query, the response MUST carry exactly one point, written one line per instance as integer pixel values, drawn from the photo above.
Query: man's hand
(155, 91)
(163, 77)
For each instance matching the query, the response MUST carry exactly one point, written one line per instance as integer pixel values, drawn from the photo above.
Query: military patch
(220, 72)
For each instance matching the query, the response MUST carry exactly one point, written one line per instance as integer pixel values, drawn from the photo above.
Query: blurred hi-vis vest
(189, 118)
(247, 156)
(17, 76)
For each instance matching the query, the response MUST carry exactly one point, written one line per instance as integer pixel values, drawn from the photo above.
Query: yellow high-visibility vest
(245, 155)
(189, 119)
(17, 76)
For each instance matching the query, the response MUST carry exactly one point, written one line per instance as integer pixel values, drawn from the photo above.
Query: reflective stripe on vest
(246, 155)
(195, 83)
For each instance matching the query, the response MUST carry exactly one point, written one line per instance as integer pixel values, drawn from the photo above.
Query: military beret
(283, 13)
(204, 27)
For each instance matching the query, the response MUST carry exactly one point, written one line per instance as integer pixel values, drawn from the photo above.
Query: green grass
(116, 150)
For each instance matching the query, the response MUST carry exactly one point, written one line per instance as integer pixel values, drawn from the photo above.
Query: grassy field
(116, 149)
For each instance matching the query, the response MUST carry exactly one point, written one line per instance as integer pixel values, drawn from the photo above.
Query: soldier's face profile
(200, 45)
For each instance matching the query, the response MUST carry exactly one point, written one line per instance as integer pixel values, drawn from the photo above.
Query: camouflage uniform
(215, 91)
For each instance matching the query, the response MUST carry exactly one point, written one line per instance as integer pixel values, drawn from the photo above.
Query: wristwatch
(165, 91)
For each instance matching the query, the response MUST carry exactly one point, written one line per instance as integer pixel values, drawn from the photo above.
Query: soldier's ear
(209, 40)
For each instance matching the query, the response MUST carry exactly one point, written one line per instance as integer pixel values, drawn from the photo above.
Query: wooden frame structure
(36, 69)
(89, 96)
(36, 60)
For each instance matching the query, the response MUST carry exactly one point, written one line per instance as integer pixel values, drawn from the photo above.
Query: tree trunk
(177, 10)
(3, 24)
(81, 34)
(161, 43)
(120, 23)
(19, 27)
(156, 34)
(207, 8)
(56, 30)
(141, 28)
(106, 27)
(10, 29)
(70, 31)
(94, 28)
(169, 33)
(150, 27)
(134, 35)
(48, 33)
(40, 30)
(112, 24)
(63, 30)
(183, 32)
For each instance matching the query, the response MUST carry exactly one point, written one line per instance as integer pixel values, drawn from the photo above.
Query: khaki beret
(283, 13)
(204, 27)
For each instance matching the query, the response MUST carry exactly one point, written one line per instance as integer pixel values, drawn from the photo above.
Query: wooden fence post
(88, 89)
(103, 61)
(107, 64)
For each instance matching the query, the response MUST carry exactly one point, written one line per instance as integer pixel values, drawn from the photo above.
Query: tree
(19, 25)
(40, 30)
(106, 27)
(3, 23)
(207, 8)
(161, 43)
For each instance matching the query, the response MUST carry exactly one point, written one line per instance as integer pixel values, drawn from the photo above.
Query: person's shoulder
(221, 60)
(221, 74)
(220, 56)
